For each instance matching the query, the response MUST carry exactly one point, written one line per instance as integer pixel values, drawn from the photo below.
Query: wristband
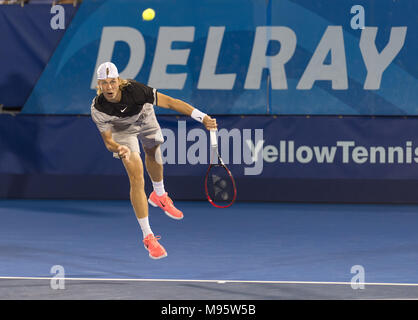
(198, 115)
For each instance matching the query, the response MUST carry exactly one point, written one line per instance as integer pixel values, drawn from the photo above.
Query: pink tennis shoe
(156, 250)
(166, 204)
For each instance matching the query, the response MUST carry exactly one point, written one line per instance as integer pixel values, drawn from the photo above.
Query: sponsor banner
(243, 56)
(298, 147)
(253, 147)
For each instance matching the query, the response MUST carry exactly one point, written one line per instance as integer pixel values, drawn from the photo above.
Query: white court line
(210, 281)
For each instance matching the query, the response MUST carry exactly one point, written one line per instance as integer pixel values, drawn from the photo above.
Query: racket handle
(214, 138)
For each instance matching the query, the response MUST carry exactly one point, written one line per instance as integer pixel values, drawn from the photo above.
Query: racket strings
(220, 185)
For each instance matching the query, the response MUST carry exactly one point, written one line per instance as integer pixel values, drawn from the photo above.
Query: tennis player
(123, 111)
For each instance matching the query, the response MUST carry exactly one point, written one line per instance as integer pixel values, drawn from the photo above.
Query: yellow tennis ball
(148, 14)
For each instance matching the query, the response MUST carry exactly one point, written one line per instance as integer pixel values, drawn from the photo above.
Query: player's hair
(122, 84)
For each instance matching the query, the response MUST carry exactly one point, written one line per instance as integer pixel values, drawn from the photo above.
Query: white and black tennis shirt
(121, 116)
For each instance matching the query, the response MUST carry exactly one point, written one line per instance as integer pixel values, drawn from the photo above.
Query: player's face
(110, 88)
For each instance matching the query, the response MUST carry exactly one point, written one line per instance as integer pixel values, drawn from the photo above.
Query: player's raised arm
(180, 106)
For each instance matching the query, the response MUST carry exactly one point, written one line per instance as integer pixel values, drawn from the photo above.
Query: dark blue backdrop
(28, 42)
(64, 157)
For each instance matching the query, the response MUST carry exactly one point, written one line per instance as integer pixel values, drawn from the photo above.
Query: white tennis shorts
(146, 130)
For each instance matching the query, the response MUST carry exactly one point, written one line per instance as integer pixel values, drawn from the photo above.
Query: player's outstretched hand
(124, 152)
(209, 123)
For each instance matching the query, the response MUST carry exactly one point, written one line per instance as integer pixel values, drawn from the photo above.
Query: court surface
(248, 251)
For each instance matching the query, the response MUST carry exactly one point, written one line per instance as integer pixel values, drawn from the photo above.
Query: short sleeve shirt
(121, 115)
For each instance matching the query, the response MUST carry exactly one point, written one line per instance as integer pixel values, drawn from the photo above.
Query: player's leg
(151, 138)
(159, 197)
(135, 170)
(154, 166)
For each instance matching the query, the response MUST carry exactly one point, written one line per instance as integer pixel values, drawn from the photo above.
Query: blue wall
(333, 128)
(297, 159)
(28, 43)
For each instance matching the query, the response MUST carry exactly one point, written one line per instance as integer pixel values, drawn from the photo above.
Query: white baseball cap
(107, 70)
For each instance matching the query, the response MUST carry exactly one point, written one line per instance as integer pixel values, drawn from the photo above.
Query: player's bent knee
(150, 152)
(135, 170)
(154, 154)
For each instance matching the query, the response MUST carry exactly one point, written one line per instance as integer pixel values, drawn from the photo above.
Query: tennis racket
(220, 187)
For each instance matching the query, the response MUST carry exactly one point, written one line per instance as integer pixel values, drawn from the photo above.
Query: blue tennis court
(249, 244)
